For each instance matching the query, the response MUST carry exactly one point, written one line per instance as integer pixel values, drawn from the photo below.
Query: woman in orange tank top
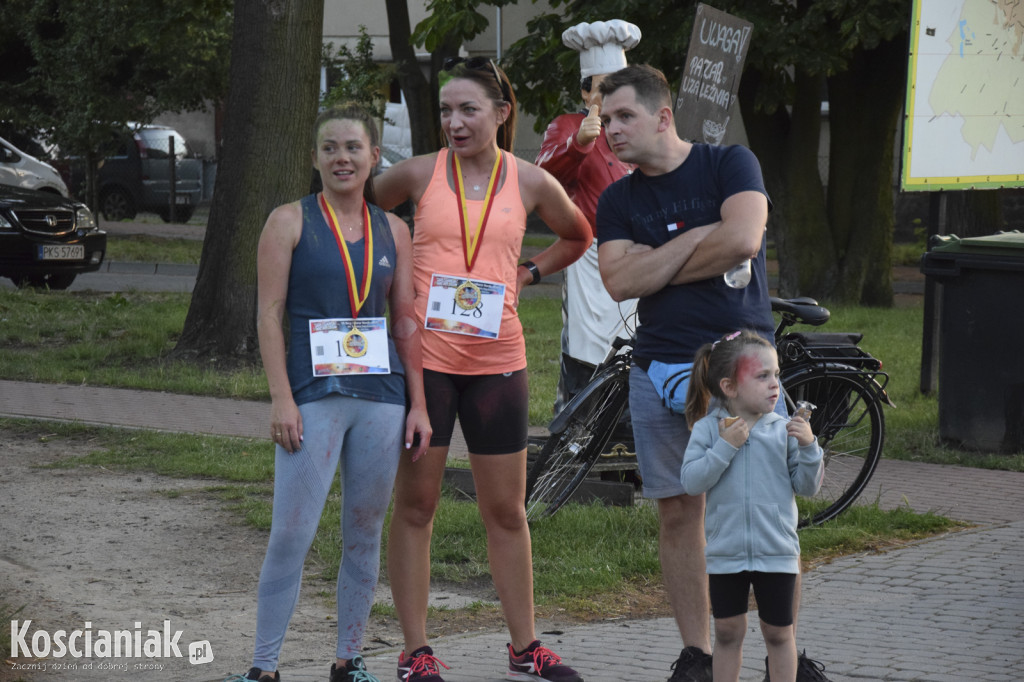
(472, 200)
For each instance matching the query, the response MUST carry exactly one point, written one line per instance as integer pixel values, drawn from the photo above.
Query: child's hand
(734, 430)
(800, 429)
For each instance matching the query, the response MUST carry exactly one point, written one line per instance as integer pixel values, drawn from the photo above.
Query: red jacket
(583, 171)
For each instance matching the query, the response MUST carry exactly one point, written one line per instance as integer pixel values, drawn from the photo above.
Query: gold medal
(354, 343)
(467, 295)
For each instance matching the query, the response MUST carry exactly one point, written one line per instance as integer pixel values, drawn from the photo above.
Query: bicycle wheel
(569, 455)
(850, 428)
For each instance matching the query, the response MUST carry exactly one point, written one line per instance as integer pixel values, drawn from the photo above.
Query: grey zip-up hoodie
(750, 519)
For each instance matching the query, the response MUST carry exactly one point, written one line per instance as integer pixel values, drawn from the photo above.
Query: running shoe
(421, 666)
(693, 665)
(539, 664)
(354, 671)
(807, 669)
(254, 674)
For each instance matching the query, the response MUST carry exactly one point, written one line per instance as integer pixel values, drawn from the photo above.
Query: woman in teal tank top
(346, 387)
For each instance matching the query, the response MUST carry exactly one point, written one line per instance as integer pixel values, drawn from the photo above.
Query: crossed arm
(632, 270)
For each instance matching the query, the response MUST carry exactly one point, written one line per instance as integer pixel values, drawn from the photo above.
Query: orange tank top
(437, 249)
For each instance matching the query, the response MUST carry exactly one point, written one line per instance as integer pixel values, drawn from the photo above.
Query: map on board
(964, 125)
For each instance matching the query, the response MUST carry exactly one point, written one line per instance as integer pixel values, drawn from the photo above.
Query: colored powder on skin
(747, 366)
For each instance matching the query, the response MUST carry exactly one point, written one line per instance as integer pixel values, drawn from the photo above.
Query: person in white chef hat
(576, 152)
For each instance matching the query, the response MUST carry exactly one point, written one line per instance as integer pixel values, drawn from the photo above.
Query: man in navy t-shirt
(666, 235)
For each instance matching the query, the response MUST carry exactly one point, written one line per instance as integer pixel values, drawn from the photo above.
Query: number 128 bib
(459, 305)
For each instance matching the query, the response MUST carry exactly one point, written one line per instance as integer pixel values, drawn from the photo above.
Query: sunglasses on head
(477, 64)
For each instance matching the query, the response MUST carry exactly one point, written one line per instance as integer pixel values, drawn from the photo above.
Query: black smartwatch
(534, 270)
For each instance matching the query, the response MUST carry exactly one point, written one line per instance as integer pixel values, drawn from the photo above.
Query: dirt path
(86, 544)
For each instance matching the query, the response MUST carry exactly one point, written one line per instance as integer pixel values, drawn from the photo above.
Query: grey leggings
(365, 437)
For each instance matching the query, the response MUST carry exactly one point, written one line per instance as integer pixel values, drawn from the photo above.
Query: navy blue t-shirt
(679, 319)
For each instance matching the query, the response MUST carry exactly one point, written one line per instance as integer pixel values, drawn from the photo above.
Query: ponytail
(712, 363)
(698, 393)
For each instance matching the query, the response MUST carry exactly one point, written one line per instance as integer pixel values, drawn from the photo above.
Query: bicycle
(827, 369)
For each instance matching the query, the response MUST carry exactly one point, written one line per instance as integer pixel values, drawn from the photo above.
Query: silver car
(20, 169)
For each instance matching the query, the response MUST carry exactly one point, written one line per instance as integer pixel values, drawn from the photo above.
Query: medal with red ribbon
(357, 293)
(471, 243)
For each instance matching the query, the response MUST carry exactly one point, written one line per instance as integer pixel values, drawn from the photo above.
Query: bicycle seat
(802, 310)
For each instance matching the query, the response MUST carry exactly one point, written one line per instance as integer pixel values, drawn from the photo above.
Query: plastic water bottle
(739, 276)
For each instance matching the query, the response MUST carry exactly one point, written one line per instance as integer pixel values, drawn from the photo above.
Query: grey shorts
(660, 437)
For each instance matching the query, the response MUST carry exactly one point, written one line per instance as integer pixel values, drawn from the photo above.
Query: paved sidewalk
(941, 610)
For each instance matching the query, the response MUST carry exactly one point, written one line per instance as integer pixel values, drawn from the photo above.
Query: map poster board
(711, 74)
(964, 120)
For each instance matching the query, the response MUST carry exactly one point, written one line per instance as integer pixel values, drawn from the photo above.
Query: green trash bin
(981, 339)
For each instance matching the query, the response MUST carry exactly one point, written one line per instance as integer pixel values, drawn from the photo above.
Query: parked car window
(155, 144)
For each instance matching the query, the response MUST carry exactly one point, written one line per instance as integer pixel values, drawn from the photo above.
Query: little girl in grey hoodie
(751, 462)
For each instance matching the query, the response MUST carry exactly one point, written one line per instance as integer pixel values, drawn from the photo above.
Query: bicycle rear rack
(817, 347)
(834, 353)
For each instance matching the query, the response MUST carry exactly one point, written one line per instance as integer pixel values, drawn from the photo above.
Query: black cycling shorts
(493, 410)
(730, 594)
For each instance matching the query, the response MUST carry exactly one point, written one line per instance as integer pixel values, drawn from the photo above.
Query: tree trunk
(974, 213)
(787, 146)
(865, 102)
(423, 117)
(272, 102)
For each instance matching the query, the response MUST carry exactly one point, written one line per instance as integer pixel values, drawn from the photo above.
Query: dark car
(136, 176)
(47, 240)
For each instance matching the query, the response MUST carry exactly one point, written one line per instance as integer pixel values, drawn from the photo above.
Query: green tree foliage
(79, 71)
(356, 76)
(834, 238)
(448, 25)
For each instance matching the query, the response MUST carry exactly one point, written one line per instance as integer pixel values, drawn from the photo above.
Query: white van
(26, 171)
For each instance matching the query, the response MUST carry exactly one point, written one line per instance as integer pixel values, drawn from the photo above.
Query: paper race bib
(459, 305)
(349, 346)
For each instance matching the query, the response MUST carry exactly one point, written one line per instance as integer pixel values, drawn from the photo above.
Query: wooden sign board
(711, 75)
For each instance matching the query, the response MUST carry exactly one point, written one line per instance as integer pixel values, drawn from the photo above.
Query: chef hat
(602, 45)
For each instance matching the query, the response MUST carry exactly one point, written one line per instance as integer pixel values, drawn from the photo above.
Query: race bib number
(458, 305)
(349, 346)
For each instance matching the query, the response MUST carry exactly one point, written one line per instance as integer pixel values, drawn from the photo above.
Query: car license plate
(61, 252)
(181, 198)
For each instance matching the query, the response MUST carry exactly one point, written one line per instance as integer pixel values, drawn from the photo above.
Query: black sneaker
(354, 671)
(254, 674)
(539, 664)
(807, 669)
(421, 666)
(693, 665)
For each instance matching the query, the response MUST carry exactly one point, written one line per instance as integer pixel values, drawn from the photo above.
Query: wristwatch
(534, 270)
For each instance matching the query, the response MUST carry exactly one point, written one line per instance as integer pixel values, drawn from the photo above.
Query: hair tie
(728, 337)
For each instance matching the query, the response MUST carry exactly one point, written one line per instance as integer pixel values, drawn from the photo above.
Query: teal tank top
(318, 289)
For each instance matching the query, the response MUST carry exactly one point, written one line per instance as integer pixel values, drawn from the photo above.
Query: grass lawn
(585, 557)
(123, 339)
